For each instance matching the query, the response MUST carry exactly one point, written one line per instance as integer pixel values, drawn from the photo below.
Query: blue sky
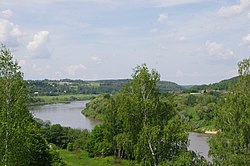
(186, 41)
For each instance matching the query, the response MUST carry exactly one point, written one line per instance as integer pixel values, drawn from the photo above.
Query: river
(70, 115)
(65, 114)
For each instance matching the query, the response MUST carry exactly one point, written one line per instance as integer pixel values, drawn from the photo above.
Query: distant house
(36, 93)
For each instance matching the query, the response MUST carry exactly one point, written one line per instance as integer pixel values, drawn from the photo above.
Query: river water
(199, 144)
(65, 114)
(70, 115)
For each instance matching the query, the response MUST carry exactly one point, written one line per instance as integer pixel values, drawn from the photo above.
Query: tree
(20, 142)
(97, 144)
(143, 127)
(231, 146)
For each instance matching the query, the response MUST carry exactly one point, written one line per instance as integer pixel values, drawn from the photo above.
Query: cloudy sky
(186, 41)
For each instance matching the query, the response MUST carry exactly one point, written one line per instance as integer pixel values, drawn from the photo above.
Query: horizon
(124, 79)
(189, 42)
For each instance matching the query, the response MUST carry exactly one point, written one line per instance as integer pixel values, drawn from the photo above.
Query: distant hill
(68, 86)
(222, 85)
(167, 86)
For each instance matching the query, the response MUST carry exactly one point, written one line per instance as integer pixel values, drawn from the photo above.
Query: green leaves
(20, 141)
(231, 146)
(142, 126)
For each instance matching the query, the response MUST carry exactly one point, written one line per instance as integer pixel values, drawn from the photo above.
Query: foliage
(56, 159)
(199, 110)
(97, 144)
(63, 137)
(96, 108)
(140, 125)
(21, 142)
(187, 159)
(231, 146)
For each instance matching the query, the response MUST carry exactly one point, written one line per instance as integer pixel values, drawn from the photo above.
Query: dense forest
(145, 121)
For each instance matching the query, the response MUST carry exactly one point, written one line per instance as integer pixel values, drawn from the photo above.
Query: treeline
(67, 86)
(198, 110)
(60, 137)
(223, 85)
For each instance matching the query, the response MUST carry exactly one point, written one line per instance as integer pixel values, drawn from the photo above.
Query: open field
(42, 100)
(81, 158)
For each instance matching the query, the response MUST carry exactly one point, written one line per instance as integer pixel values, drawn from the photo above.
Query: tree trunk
(153, 154)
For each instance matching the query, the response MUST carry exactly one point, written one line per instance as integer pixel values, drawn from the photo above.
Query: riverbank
(66, 98)
(67, 115)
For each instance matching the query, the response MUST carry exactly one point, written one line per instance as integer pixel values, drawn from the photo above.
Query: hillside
(222, 85)
(66, 86)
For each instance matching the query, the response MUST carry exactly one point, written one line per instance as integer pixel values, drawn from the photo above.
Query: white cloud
(246, 40)
(217, 50)
(98, 60)
(6, 13)
(9, 33)
(38, 47)
(39, 39)
(72, 70)
(162, 17)
(226, 11)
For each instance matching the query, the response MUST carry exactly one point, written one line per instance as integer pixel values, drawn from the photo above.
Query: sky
(187, 41)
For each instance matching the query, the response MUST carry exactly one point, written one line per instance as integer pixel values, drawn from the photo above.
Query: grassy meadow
(80, 158)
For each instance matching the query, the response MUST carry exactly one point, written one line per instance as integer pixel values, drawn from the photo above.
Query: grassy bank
(80, 158)
(66, 98)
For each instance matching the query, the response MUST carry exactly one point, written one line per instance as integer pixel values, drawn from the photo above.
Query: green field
(81, 158)
(42, 100)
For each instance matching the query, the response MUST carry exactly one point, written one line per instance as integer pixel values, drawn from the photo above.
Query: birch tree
(231, 146)
(18, 132)
(147, 129)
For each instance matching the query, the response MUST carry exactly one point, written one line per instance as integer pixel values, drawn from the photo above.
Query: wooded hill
(223, 85)
(67, 86)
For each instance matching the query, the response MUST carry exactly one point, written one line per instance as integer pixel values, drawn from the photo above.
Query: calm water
(199, 144)
(65, 114)
(70, 115)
